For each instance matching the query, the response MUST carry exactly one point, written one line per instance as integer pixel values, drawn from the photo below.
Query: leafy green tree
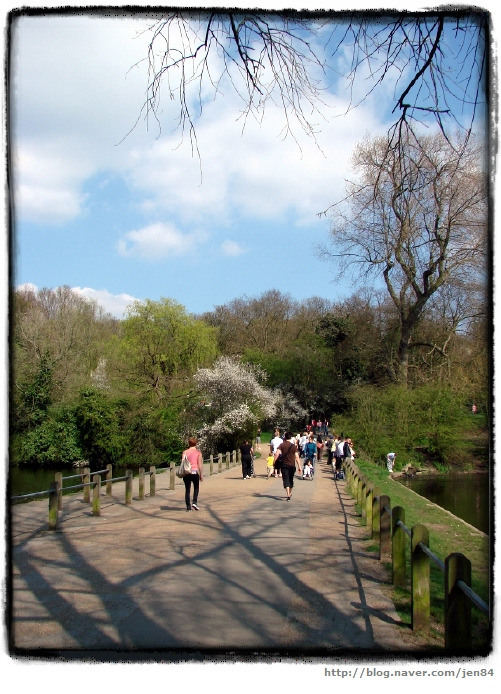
(151, 435)
(159, 347)
(34, 396)
(97, 419)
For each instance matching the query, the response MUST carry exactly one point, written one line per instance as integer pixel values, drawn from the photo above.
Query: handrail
(98, 472)
(476, 600)
(81, 474)
(426, 550)
(33, 494)
(406, 530)
(385, 522)
(91, 484)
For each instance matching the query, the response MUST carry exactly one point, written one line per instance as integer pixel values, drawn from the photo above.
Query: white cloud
(72, 101)
(157, 241)
(75, 102)
(116, 304)
(232, 248)
(27, 287)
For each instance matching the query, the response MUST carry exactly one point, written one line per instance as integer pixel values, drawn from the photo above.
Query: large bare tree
(436, 62)
(416, 219)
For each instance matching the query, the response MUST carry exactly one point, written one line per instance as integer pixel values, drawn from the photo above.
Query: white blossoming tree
(233, 401)
(289, 414)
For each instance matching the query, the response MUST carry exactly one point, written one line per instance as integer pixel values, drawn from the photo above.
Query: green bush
(54, 442)
(98, 422)
(425, 424)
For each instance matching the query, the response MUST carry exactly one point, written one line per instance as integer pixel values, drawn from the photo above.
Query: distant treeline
(85, 385)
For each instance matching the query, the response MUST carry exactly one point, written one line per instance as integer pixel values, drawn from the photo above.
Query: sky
(121, 209)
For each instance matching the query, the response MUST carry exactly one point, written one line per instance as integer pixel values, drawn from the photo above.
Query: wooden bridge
(247, 574)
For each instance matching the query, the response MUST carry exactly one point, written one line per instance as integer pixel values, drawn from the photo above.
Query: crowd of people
(289, 450)
(288, 453)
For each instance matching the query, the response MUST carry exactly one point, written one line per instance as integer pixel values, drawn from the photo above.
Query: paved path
(248, 573)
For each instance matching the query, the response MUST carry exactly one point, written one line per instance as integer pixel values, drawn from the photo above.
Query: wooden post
(356, 489)
(457, 604)
(368, 505)
(348, 469)
(398, 547)
(385, 528)
(59, 479)
(420, 579)
(376, 517)
(353, 484)
(86, 481)
(219, 462)
(172, 472)
(128, 487)
(211, 465)
(53, 505)
(153, 480)
(141, 484)
(96, 495)
(363, 497)
(227, 459)
(109, 477)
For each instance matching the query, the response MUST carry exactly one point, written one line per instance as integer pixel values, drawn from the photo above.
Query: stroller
(309, 453)
(307, 469)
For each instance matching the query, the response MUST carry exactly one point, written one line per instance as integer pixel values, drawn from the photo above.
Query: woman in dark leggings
(197, 474)
(247, 452)
(290, 458)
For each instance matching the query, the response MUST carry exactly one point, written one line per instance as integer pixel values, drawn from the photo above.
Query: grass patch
(266, 436)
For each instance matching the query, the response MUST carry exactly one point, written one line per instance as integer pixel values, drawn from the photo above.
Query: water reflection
(466, 496)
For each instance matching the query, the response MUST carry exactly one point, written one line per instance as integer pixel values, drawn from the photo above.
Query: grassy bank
(447, 534)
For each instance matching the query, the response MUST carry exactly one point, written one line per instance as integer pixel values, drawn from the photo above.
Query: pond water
(467, 496)
(27, 481)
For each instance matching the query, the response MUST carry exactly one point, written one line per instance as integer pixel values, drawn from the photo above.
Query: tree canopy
(417, 218)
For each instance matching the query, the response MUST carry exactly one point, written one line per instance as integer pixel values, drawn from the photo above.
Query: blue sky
(121, 214)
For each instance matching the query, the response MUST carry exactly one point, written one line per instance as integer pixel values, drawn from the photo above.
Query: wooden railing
(388, 529)
(216, 464)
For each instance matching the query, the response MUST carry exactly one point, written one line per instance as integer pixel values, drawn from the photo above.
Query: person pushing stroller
(310, 453)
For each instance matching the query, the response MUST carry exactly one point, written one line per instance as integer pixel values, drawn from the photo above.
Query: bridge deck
(248, 573)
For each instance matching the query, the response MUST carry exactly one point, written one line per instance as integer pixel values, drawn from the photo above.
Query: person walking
(290, 458)
(274, 444)
(247, 453)
(196, 476)
(310, 452)
(328, 448)
(336, 453)
(320, 448)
